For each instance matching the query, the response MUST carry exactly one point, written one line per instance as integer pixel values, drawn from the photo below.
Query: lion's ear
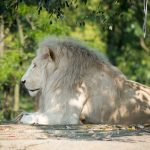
(49, 54)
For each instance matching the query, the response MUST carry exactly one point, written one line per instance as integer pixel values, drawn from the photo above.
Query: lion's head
(58, 64)
(42, 64)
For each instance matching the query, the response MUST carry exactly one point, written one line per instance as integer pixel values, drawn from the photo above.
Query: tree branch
(143, 45)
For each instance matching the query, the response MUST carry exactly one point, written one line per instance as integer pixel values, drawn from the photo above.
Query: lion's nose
(23, 81)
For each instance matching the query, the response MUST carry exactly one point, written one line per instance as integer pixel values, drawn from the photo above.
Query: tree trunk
(1, 36)
(20, 32)
(7, 103)
(17, 85)
(16, 97)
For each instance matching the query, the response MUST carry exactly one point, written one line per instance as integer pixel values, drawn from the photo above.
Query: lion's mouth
(33, 90)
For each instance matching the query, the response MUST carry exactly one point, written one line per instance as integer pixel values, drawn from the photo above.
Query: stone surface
(89, 137)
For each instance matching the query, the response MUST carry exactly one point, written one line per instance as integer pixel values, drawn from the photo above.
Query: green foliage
(111, 26)
(11, 66)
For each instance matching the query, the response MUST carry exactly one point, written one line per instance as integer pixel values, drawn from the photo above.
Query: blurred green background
(113, 27)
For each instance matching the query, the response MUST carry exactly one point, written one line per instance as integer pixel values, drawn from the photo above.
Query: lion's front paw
(29, 119)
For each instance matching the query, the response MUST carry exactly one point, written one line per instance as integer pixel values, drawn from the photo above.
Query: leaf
(50, 22)
(67, 4)
(84, 1)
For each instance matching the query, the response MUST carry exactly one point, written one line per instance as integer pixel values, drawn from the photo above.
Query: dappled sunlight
(72, 95)
(94, 96)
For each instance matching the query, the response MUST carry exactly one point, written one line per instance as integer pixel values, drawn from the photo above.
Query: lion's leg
(40, 118)
(68, 117)
(69, 109)
(70, 114)
(51, 118)
(58, 118)
(29, 118)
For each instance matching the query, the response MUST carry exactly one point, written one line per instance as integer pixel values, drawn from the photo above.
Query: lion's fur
(84, 86)
(80, 58)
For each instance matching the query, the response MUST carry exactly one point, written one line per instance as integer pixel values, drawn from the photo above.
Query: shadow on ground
(86, 132)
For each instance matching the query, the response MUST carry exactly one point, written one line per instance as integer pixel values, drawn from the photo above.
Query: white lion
(75, 84)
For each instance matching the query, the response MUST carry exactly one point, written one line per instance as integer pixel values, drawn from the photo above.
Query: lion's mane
(80, 59)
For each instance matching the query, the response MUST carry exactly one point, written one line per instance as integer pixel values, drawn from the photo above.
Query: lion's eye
(34, 65)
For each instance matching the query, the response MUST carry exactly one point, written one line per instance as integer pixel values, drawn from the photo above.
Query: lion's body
(76, 84)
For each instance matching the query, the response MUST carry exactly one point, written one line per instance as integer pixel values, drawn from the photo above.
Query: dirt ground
(89, 137)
